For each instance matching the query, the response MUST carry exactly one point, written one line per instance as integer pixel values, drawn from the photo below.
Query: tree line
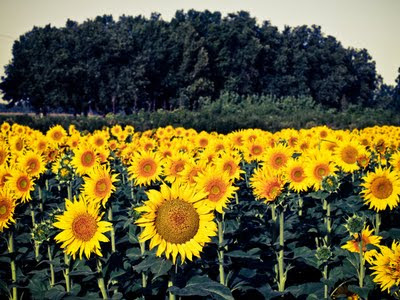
(135, 63)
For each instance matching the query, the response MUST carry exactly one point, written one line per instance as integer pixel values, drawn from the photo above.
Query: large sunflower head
(98, 184)
(218, 187)
(386, 267)
(21, 183)
(318, 166)
(176, 220)
(381, 189)
(346, 154)
(7, 206)
(82, 228)
(146, 167)
(56, 134)
(267, 184)
(277, 157)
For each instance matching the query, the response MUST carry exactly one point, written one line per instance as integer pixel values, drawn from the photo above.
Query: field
(172, 212)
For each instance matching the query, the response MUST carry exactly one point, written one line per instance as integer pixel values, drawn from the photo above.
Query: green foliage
(134, 63)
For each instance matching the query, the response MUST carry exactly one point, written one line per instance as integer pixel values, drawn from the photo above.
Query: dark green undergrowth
(225, 115)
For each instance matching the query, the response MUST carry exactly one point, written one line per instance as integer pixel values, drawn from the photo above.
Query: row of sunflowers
(173, 212)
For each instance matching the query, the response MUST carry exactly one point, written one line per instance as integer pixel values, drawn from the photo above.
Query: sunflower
(82, 228)
(56, 135)
(145, 168)
(174, 165)
(387, 267)
(318, 166)
(366, 239)
(346, 154)
(277, 157)
(394, 161)
(218, 187)
(33, 163)
(296, 175)
(7, 206)
(267, 184)
(381, 189)
(229, 162)
(20, 182)
(5, 173)
(85, 159)
(176, 220)
(4, 153)
(254, 150)
(17, 144)
(192, 169)
(98, 184)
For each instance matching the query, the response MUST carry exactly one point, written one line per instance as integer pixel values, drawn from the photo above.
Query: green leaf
(145, 265)
(203, 286)
(251, 254)
(362, 292)
(315, 288)
(160, 267)
(55, 293)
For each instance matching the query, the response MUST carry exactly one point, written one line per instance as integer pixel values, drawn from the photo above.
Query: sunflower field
(174, 213)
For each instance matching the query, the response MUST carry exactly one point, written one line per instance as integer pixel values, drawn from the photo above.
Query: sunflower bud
(323, 253)
(330, 184)
(355, 224)
(41, 232)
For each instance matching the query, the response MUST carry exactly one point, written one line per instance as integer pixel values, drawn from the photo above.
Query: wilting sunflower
(218, 187)
(381, 189)
(366, 239)
(20, 182)
(146, 167)
(33, 163)
(296, 175)
(7, 206)
(387, 267)
(267, 184)
(177, 221)
(82, 228)
(85, 159)
(98, 185)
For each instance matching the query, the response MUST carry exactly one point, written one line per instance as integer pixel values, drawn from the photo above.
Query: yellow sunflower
(229, 162)
(174, 165)
(296, 175)
(277, 157)
(98, 184)
(82, 228)
(267, 184)
(177, 221)
(7, 206)
(56, 135)
(366, 238)
(381, 189)
(5, 173)
(386, 267)
(85, 159)
(318, 166)
(20, 182)
(4, 153)
(346, 154)
(33, 163)
(394, 161)
(218, 187)
(146, 167)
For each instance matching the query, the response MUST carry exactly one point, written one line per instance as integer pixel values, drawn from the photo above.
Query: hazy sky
(370, 24)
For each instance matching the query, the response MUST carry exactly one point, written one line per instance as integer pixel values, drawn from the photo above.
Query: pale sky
(370, 24)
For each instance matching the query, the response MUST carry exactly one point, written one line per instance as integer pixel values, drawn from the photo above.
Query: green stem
(325, 273)
(69, 189)
(13, 266)
(362, 262)
(282, 275)
(142, 251)
(327, 222)
(221, 250)
(100, 280)
(67, 262)
(377, 223)
(300, 206)
(110, 218)
(36, 244)
(170, 295)
(52, 277)
(236, 198)
(40, 198)
(273, 212)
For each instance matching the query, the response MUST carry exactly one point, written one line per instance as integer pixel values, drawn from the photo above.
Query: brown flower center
(177, 221)
(84, 227)
(88, 158)
(23, 184)
(349, 155)
(381, 187)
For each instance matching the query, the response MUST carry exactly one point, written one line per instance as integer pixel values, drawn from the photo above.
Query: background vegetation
(135, 63)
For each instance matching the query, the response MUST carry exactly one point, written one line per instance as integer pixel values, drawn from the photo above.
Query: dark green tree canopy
(138, 63)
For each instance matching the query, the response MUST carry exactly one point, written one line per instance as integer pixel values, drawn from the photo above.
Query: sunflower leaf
(160, 267)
